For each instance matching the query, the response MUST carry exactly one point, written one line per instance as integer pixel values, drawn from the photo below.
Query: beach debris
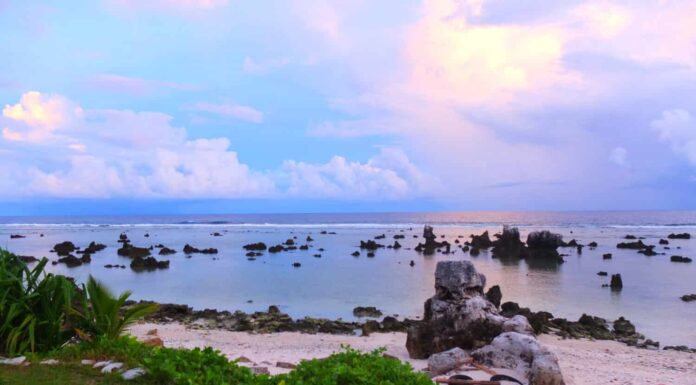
(188, 249)
(367, 311)
(616, 282)
(679, 236)
(448, 360)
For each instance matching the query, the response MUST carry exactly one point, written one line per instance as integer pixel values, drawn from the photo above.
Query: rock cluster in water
(459, 316)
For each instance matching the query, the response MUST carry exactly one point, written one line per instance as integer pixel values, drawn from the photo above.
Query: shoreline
(583, 362)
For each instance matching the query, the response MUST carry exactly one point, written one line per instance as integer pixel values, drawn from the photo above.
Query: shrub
(32, 303)
(196, 367)
(351, 367)
(124, 349)
(103, 314)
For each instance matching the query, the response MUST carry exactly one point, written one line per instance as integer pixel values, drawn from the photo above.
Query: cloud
(38, 117)
(678, 128)
(389, 175)
(107, 153)
(167, 4)
(231, 110)
(618, 155)
(118, 153)
(134, 85)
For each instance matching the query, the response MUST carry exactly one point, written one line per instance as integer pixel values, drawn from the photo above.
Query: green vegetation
(32, 303)
(40, 312)
(104, 315)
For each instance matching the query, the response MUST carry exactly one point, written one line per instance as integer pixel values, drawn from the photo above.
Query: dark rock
(94, 247)
(648, 251)
(317, 255)
(216, 234)
(399, 236)
(17, 236)
(370, 327)
(370, 254)
(166, 251)
(396, 245)
(309, 239)
(259, 246)
(482, 241)
(679, 258)
(592, 244)
(289, 242)
(430, 245)
(367, 311)
(64, 248)
(275, 249)
(508, 245)
(602, 274)
(27, 258)
(664, 242)
(304, 247)
(128, 250)
(679, 236)
(412, 263)
(629, 236)
(356, 254)
(147, 263)
(474, 252)
(123, 238)
(382, 236)
(494, 295)
(606, 256)
(624, 327)
(296, 264)
(688, 297)
(188, 249)
(72, 261)
(616, 282)
(370, 245)
(638, 245)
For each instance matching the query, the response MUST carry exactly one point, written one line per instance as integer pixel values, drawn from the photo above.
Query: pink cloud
(232, 110)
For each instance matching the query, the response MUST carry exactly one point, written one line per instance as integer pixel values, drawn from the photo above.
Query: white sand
(582, 362)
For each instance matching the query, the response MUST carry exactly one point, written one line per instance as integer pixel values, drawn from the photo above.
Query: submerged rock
(679, 236)
(147, 263)
(259, 246)
(128, 250)
(64, 248)
(679, 258)
(688, 297)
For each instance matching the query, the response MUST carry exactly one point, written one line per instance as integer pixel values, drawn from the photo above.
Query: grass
(63, 374)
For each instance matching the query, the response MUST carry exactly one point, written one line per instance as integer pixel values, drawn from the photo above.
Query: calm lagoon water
(331, 286)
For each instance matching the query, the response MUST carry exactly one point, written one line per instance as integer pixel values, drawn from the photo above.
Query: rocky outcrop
(457, 315)
(130, 251)
(679, 258)
(367, 311)
(188, 249)
(73, 261)
(259, 246)
(522, 353)
(147, 263)
(679, 236)
(544, 244)
(482, 241)
(64, 248)
(508, 244)
(430, 245)
(688, 297)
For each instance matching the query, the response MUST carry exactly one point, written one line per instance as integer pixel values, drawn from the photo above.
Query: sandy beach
(583, 362)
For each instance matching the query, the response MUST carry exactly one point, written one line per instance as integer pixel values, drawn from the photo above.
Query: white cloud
(167, 4)
(678, 128)
(252, 66)
(618, 155)
(120, 153)
(232, 110)
(389, 175)
(134, 85)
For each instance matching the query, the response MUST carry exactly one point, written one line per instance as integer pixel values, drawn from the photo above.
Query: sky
(210, 106)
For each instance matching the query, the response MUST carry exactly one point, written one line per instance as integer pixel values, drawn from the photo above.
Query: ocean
(332, 285)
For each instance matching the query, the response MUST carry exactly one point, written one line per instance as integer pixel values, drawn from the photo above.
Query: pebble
(50, 362)
(87, 362)
(111, 367)
(100, 364)
(13, 361)
(132, 373)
